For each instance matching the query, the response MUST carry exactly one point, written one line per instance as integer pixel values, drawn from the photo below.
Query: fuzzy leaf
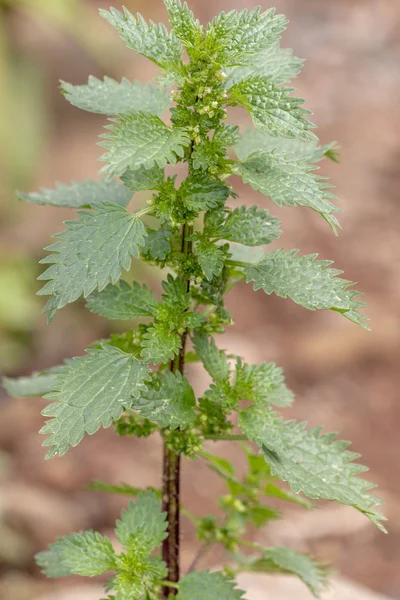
(79, 195)
(109, 97)
(317, 465)
(143, 179)
(50, 561)
(251, 227)
(142, 526)
(169, 401)
(213, 586)
(88, 553)
(307, 282)
(211, 258)
(140, 582)
(201, 192)
(90, 253)
(288, 182)
(286, 560)
(38, 384)
(160, 344)
(273, 108)
(92, 391)
(214, 360)
(123, 301)
(184, 24)
(158, 243)
(261, 383)
(152, 41)
(236, 35)
(138, 140)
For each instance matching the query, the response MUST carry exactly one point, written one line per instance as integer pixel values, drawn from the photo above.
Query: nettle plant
(135, 381)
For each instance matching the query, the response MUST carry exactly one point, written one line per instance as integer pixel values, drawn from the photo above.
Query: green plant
(135, 381)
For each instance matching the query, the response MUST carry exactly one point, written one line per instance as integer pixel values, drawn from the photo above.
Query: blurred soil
(343, 377)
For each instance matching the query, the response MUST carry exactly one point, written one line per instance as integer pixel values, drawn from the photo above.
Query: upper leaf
(213, 586)
(307, 282)
(236, 35)
(142, 527)
(140, 139)
(210, 257)
(168, 401)
(50, 561)
(88, 553)
(158, 243)
(317, 465)
(123, 302)
(184, 24)
(143, 179)
(250, 227)
(214, 360)
(273, 108)
(288, 182)
(79, 195)
(90, 254)
(109, 97)
(261, 383)
(152, 41)
(160, 344)
(92, 391)
(201, 192)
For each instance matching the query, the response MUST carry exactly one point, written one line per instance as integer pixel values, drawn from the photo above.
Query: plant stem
(226, 437)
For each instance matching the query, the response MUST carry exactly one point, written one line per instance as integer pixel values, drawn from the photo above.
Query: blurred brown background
(343, 377)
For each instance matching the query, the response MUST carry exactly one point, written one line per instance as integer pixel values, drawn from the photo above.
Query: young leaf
(215, 362)
(168, 401)
(273, 108)
(288, 182)
(251, 227)
(211, 258)
(79, 195)
(143, 179)
(92, 391)
(317, 465)
(142, 526)
(261, 383)
(213, 586)
(90, 253)
(51, 563)
(201, 192)
(184, 24)
(123, 301)
(236, 36)
(160, 344)
(88, 553)
(307, 282)
(152, 41)
(109, 97)
(138, 579)
(158, 243)
(286, 560)
(38, 384)
(140, 139)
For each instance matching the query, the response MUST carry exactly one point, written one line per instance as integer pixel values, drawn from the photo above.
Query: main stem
(172, 468)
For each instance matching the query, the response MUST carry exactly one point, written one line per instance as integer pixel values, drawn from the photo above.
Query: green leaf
(317, 465)
(289, 182)
(251, 227)
(276, 63)
(237, 35)
(211, 258)
(214, 360)
(123, 301)
(201, 192)
(286, 560)
(78, 195)
(261, 383)
(158, 243)
(142, 526)
(152, 41)
(138, 579)
(92, 391)
(160, 344)
(213, 586)
(141, 139)
(226, 135)
(109, 97)
(273, 108)
(50, 561)
(123, 490)
(169, 401)
(257, 141)
(143, 179)
(307, 282)
(90, 253)
(38, 384)
(184, 24)
(88, 553)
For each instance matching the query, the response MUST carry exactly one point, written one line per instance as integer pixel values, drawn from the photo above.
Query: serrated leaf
(143, 179)
(289, 182)
(184, 24)
(307, 282)
(79, 195)
(38, 384)
(214, 360)
(123, 301)
(109, 97)
(261, 383)
(142, 526)
(139, 583)
(250, 226)
(317, 465)
(159, 344)
(276, 63)
(88, 553)
(169, 401)
(272, 107)
(90, 253)
(50, 561)
(158, 243)
(211, 258)
(286, 560)
(138, 140)
(236, 35)
(93, 390)
(151, 40)
(213, 586)
(256, 141)
(201, 192)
